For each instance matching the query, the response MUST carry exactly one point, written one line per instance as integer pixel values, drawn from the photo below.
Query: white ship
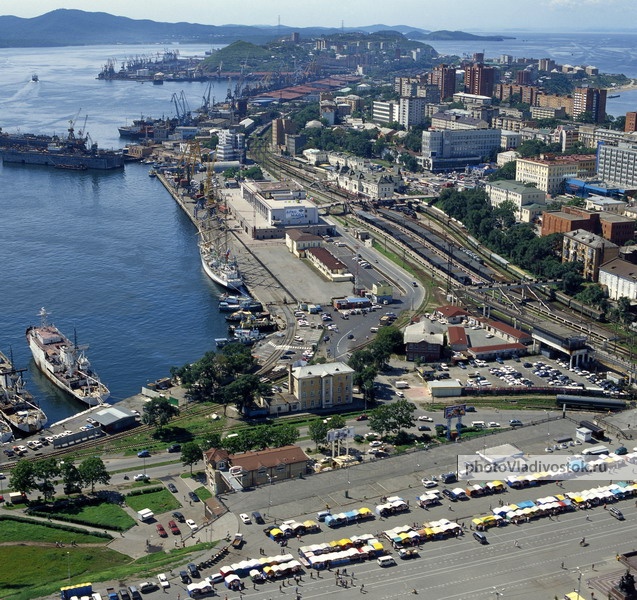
(16, 403)
(218, 264)
(64, 363)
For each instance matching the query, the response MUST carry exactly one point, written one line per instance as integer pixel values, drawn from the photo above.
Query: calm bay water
(110, 255)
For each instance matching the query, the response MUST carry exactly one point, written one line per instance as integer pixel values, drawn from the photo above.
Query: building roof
(449, 311)
(324, 256)
(296, 235)
(324, 370)
(506, 329)
(268, 458)
(589, 239)
(112, 414)
(552, 159)
(513, 186)
(497, 347)
(424, 331)
(620, 268)
(457, 335)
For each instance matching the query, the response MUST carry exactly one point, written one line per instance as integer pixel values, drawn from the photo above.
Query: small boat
(614, 96)
(64, 363)
(34, 78)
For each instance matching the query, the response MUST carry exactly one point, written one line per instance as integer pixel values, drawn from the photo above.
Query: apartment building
(444, 78)
(479, 79)
(549, 171)
(457, 119)
(618, 164)
(620, 279)
(321, 386)
(514, 192)
(589, 249)
(452, 149)
(591, 101)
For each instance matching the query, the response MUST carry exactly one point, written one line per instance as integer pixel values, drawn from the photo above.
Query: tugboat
(64, 363)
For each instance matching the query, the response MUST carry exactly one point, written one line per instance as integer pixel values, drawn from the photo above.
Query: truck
(237, 542)
(401, 385)
(596, 451)
(145, 514)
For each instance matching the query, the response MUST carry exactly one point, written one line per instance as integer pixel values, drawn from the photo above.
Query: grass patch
(203, 492)
(49, 568)
(159, 502)
(19, 531)
(106, 515)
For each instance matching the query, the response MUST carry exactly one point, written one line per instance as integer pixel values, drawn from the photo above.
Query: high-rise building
(590, 100)
(479, 79)
(444, 77)
(631, 122)
(524, 77)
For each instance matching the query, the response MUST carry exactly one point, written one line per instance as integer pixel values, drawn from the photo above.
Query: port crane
(182, 109)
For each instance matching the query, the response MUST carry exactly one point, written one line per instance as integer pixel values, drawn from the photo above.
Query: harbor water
(109, 254)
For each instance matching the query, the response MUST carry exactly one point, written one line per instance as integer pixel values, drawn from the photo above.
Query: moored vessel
(218, 263)
(64, 363)
(73, 152)
(16, 403)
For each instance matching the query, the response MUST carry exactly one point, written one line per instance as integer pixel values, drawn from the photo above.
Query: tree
(506, 171)
(71, 477)
(23, 477)
(283, 435)
(191, 453)
(46, 470)
(243, 391)
(337, 422)
(317, 430)
(393, 417)
(93, 470)
(158, 412)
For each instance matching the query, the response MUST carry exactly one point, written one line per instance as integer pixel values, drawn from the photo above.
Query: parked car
(160, 530)
(193, 526)
(141, 477)
(515, 423)
(163, 581)
(178, 517)
(493, 424)
(192, 570)
(172, 488)
(621, 451)
(174, 448)
(174, 528)
(185, 578)
(362, 417)
(145, 587)
(143, 454)
(424, 428)
(256, 515)
(245, 519)
(429, 483)
(123, 594)
(425, 418)
(193, 496)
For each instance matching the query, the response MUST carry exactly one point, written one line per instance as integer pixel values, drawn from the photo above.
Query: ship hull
(102, 162)
(72, 385)
(219, 277)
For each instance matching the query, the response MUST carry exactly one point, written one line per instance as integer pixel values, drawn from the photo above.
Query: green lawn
(19, 531)
(104, 515)
(159, 502)
(49, 568)
(203, 492)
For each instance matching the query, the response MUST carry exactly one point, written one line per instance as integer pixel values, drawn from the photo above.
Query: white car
(193, 526)
(375, 444)
(141, 477)
(298, 338)
(493, 424)
(429, 483)
(245, 518)
(163, 580)
(425, 418)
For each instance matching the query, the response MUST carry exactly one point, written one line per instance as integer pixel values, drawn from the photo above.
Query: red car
(161, 531)
(173, 528)
(362, 417)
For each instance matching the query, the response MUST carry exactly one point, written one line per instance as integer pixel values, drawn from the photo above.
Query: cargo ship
(64, 363)
(16, 403)
(73, 152)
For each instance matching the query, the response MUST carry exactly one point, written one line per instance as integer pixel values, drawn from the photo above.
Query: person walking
(362, 589)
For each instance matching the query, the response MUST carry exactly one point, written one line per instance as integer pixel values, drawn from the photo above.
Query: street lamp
(68, 566)
(579, 582)
(548, 422)
(271, 481)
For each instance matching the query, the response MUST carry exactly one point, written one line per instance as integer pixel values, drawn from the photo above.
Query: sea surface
(109, 254)
(609, 52)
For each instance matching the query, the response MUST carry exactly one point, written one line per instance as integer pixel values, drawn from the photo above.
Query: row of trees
(42, 475)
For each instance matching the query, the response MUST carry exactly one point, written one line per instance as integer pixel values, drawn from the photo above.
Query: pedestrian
(338, 572)
(562, 564)
(516, 544)
(593, 567)
(280, 588)
(362, 588)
